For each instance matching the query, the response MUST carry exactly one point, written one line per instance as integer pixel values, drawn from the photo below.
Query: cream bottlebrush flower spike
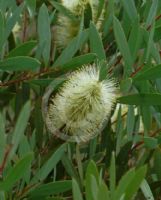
(67, 28)
(77, 112)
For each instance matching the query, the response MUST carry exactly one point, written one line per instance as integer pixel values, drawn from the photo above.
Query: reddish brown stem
(24, 27)
(28, 77)
(156, 19)
(5, 159)
(136, 71)
(142, 142)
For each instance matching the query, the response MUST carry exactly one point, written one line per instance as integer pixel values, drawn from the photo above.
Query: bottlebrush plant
(80, 98)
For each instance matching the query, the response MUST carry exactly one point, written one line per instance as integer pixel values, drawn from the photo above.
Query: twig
(25, 190)
(24, 27)
(5, 159)
(28, 77)
(122, 116)
(156, 19)
(142, 142)
(79, 163)
(137, 70)
(118, 61)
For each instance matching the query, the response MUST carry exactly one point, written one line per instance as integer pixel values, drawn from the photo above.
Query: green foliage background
(123, 162)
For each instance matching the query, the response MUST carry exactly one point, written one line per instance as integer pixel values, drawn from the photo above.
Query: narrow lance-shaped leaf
(76, 191)
(78, 61)
(12, 19)
(91, 172)
(103, 192)
(20, 128)
(2, 30)
(135, 182)
(52, 188)
(44, 33)
(17, 172)
(145, 99)
(130, 8)
(112, 175)
(2, 138)
(123, 184)
(96, 44)
(123, 46)
(23, 49)
(152, 13)
(19, 63)
(49, 165)
(151, 73)
(146, 190)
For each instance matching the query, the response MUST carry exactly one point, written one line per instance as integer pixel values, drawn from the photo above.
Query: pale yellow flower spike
(67, 29)
(81, 106)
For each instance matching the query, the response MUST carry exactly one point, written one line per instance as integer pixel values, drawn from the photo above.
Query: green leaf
(126, 84)
(150, 43)
(123, 46)
(94, 187)
(46, 82)
(112, 175)
(91, 170)
(146, 190)
(20, 128)
(2, 195)
(145, 99)
(135, 39)
(72, 47)
(2, 138)
(2, 30)
(100, 8)
(76, 191)
(17, 172)
(63, 10)
(92, 147)
(69, 167)
(151, 73)
(44, 33)
(135, 183)
(103, 192)
(78, 61)
(19, 63)
(146, 117)
(31, 5)
(119, 129)
(151, 49)
(150, 142)
(49, 165)
(51, 189)
(96, 44)
(157, 34)
(130, 122)
(123, 184)
(12, 19)
(4, 5)
(152, 13)
(87, 15)
(157, 162)
(130, 8)
(23, 49)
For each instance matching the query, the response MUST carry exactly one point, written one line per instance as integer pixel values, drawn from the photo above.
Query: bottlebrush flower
(79, 109)
(67, 28)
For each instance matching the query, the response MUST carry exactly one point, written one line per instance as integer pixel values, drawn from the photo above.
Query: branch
(28, 77)
(2, 166)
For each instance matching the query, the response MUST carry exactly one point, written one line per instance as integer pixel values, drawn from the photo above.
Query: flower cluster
(67, 28)
(79, 109)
